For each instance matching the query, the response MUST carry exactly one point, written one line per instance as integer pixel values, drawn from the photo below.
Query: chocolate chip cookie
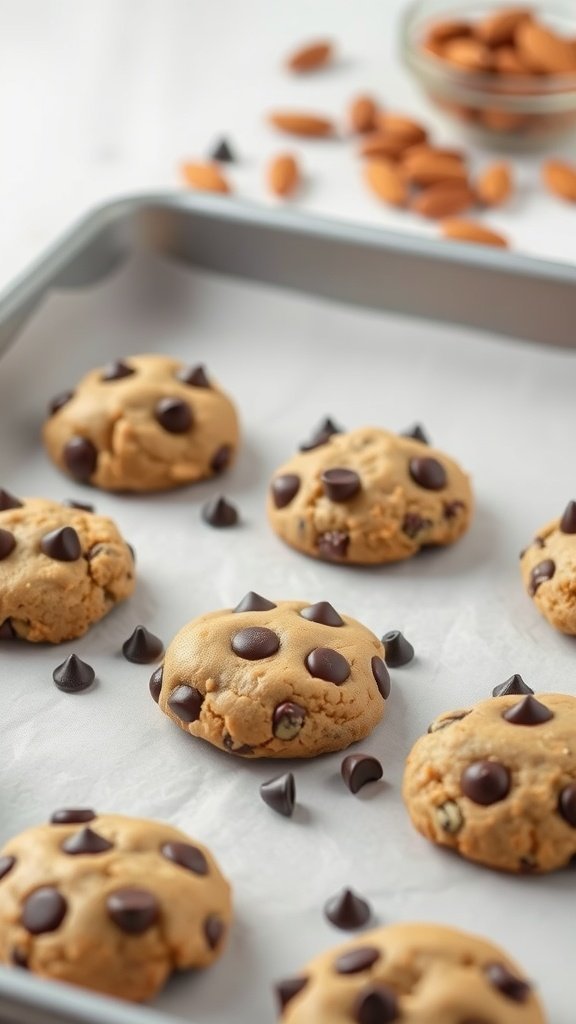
(274, 680)
(413, 974)
(61, 569)
(548, 569)
(111, 903)
(497, 782)
(147, 423)
(369, 496)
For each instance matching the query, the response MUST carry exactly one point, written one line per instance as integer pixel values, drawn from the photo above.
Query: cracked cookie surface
(111, 903)
(145, 423)
(548, 568)
(274, 680)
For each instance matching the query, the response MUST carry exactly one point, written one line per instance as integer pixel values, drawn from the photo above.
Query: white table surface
(100, 98)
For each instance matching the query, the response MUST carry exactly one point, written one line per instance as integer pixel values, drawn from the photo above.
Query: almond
(404, 128)
(443, 31)
(301, 123)
(503, 121)
(382, 144)
(543, 50)
(471, 231)
(560, 178)
(427, 168)
(498, 29)
(507, 61)
(386, 181)
(495, 184)
(362, 114)
(425, 147)
(468, 54)
(444, 199)
(310, 57)
(283, 175)
(205, 177)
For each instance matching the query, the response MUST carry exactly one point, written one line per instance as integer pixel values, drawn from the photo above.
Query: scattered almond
(425, 147)
(494, 184)
(205, 177)
(428, 168)
(382, 144)
(498, 29)
(444, 200)
(310, 57)
(362, 114)
(471, 231)
(560, 178)
(469, 54)
(404, 128)
(283, 175)
(300, 123)
(386, 181)
(543, 50)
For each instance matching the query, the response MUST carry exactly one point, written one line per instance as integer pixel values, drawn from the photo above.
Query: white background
(104, 97)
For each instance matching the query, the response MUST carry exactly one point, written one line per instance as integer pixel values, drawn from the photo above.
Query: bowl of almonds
(505, 74)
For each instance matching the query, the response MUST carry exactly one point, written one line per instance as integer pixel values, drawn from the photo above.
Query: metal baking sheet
(502, 406)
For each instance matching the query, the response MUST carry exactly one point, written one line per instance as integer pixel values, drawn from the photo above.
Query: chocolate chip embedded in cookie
(145, 423)
(369, 496)
(61, 570)
(408, 973)
(548, 568)
(274, 680)
(111, 903)
(495, 782)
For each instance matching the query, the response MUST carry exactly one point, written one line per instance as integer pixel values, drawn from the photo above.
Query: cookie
(497, 782)
(413, 974)
(111, 903)
(61, 569)
(147, 423)
(548, 569)
(274, 680)
(369, 496)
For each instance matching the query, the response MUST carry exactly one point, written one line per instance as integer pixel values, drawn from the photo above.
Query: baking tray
(297, 318)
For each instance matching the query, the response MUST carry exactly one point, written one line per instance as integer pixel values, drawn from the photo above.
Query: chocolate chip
(133, 910)
(80, 458)
(359, 769)
(174, 415)
(229, 742)
(452, 508)
(221, 458)
(528, 711)
(340, 484)
(252, 602)
(566, 804)
(333, 545)
(323, 613)
(377, 1005)
(280, 794)
(541, 573)
(43, 911)
(186, 856)
(6, 865)
(514, 685)
(397, 649)
(324, 431)
(284, 488)
(59, 401)
(86, 841)
(288, 720)
(222, 152)
(186, 702)
(195, 376)
(428, 473)
(417, 433)
(142, 647)
(63, 544)
(286, 990)
(155, 684)
(72, 816)
(255, 642)
(485, 782)
(219, 512)
(8, 500)
(7, 543)
(539, 542)
(73, 675)
(116, 371)
(132, 551)
(568, 521)
(360, 959)
(324, 663)
(19, 958)
(7, 631)
(413, 524)
(71, 503)
(346, 910)
(507, 983)
(213, 930)
(381, 675)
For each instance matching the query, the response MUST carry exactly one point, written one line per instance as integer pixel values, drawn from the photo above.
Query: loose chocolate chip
(155, 684)
(323, 613)
(397, 649)
(340, 484)
(452, 508)
(213, 930)
(116, 371)
(86, 841)
(7, 543)
(186, 702)
(413, 524)
(255, 642)
(428, 473)
(72, 816)
(186, 856)
(346, 910)
(6, 865)
(7, 631)
(252, 602)
(324, 663)
(80, 457)
(59, 401)
(284, 488)
(324, 431)
(133, 910)
(174, 415)
(73, 675)
(142, 647)
(222, 152)
(541, 573)
(357, 960)
(568, 521)
(71, 503)
(19, 958)
(219, 512)
(514, 685)
(566, 804)
(417, 433)
(63, 545)
(507, 983)
(485, 782)
(8, 500)
(195, 376)
(221, 458)
(286, 990)
(44, 910)
(359, 769)
(280, 794)
(528, 711)
(288, 720)
(333, 545)
(381, 675)
(377, 1005)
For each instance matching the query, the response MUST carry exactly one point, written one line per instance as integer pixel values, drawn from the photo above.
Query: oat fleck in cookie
(413, 974)
(548, 569)
(274, 680)
(146, 423)
(369, 496)
(497, 782)
(111, 903)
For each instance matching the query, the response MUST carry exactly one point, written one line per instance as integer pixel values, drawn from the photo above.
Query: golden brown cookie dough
(274, 680)
(548, 569)
(369, 496)
(497, 782)
(146, 423)
(413, 974)
(61, 569)
(111, 903)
